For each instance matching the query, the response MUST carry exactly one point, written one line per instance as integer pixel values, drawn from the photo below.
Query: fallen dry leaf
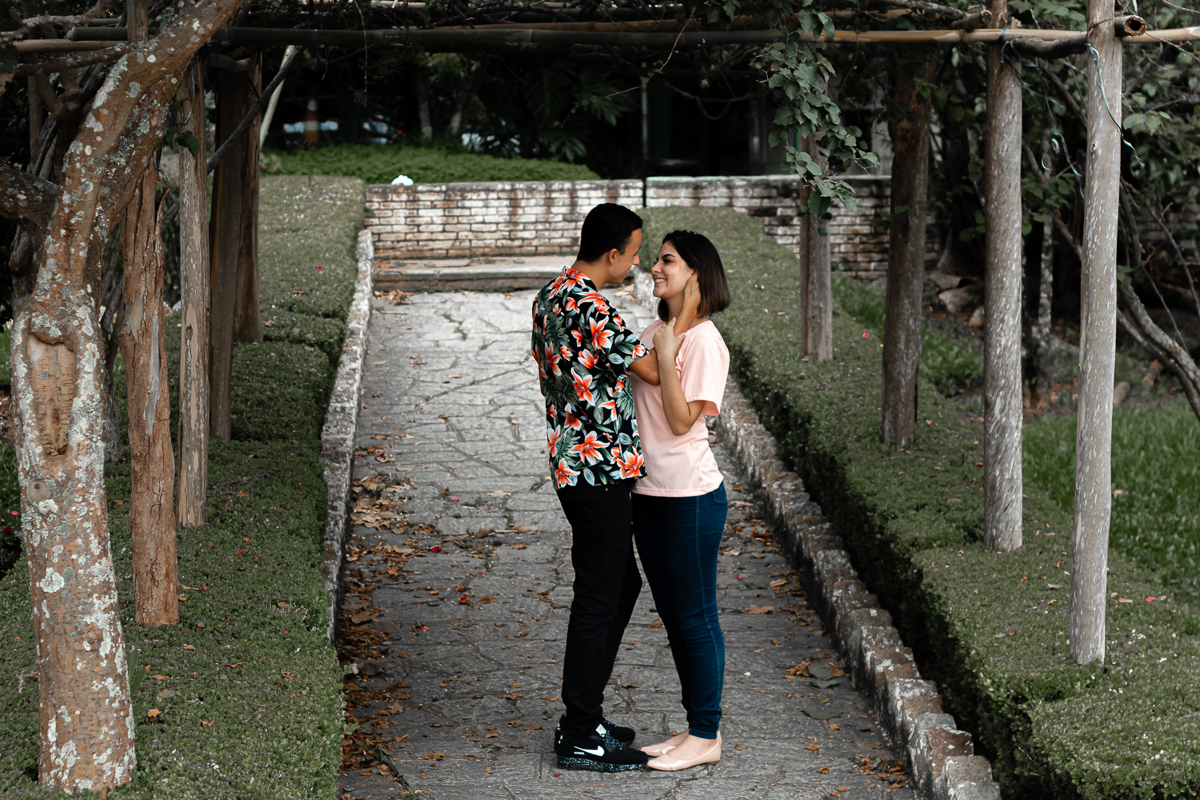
(753, 609)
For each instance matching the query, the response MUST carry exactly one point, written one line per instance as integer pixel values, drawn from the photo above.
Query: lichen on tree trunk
(1097, 341)
(86, 732)
(1002, 505)
(144, 345)
(194, 276)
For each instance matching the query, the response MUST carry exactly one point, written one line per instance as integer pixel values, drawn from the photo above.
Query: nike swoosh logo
(599, 751)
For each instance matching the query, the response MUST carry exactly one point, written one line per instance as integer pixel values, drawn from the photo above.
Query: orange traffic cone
(311, 126)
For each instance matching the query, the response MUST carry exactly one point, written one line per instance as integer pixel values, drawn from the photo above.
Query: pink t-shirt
(682, 466)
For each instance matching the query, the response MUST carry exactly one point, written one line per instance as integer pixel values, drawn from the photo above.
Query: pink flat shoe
(655, 750)
(662, 748)
(710, 756)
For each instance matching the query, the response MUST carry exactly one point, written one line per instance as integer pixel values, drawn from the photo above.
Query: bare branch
(26, 198)
(28, 25)
(1158, 217)
(256, 109)
(1171, 348)
(76, 61)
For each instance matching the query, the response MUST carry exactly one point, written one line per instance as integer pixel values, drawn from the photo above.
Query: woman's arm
(646, 368)
(681, 415)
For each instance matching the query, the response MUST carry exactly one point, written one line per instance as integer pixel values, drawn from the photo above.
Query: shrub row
(430, 163)
(247, 688)
(991, 628)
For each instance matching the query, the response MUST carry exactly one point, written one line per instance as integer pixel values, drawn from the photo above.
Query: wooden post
(194, 276)
(816, 291)
(247, 321)
(1002, 504)
(144, 345)
(1097, 339)
(234, 312)
(909, 130)
(137, 20)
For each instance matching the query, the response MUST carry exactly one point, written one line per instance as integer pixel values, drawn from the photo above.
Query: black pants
(606, 588)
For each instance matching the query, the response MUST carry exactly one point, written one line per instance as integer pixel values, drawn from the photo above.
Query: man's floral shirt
(583, 351)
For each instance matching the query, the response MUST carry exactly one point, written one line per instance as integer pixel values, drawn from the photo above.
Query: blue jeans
(677, 540)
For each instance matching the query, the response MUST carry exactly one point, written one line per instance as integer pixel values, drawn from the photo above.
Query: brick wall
(458, 220)
(455, 220)
(856, 247)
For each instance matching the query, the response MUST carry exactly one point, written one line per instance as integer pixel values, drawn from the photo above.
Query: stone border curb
(940, 757)
(341, 423)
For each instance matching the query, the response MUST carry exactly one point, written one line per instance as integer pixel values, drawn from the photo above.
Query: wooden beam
(523, 35)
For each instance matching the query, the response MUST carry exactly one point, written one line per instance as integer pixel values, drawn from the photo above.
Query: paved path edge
(940, 757)
(341, 424)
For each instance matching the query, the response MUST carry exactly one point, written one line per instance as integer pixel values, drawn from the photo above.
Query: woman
(679, 507)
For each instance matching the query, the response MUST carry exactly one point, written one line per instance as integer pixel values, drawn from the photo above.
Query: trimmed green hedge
(252, 704)
(991, 629)
(431, 163)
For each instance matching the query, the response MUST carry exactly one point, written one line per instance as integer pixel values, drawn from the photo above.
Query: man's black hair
(608, 226)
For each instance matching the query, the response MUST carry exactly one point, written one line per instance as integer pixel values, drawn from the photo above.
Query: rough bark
(194, 276)
(247, 321)
(816, 290)
(143, 342)
(93, 156)
(225, 244)
(1002, 302)
(1097, 340)
(909, 130)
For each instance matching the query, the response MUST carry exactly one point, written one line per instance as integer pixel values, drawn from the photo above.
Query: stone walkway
(460, 579)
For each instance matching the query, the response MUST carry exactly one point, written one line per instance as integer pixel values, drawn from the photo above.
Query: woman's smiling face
(670, 273)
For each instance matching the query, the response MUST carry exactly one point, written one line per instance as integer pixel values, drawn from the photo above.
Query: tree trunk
(144, 346)
(424, 118)
(1002, 303)
(194, 276)
(83, 683)
(1043, 336)
(816, 291)
(1097, 340)
(909, 130)
(225, 245)
(247, 321)
(80, 179)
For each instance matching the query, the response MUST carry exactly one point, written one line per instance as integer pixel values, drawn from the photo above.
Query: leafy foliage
(799, 77)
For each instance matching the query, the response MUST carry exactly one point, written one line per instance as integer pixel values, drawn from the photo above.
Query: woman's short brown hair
(701, 255)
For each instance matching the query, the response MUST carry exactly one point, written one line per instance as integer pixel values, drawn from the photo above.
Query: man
(584, 354)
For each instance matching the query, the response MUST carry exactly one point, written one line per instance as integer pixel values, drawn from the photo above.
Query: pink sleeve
(705, 369)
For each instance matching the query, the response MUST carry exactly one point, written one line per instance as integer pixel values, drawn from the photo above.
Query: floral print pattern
(583, 351)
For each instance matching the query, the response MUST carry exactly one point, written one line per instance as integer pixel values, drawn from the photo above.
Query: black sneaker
(599, 751)
(619, 732)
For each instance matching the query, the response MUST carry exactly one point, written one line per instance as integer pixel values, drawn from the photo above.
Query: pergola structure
(632, 33)
(58, 201)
